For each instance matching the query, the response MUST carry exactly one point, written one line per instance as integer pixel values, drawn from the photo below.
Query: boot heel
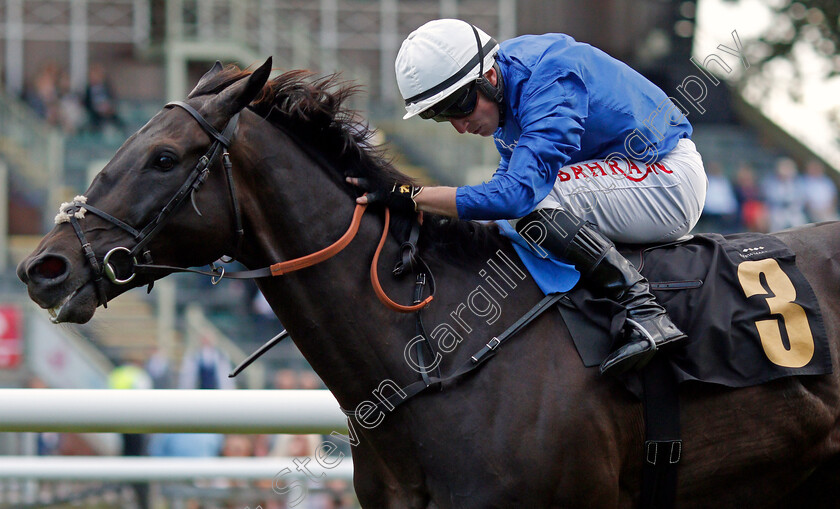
(634, 355)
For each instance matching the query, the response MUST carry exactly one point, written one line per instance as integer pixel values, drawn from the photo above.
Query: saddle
(749, 313)
(635, 253)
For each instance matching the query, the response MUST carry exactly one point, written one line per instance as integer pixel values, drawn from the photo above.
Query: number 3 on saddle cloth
(753, 319)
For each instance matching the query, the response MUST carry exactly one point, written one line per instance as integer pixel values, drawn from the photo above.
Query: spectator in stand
(53, 99)
(262, 317)
(206, 368)
(100, 101)
(752, 210)
(236, 446)
(310, 381)
(785, 203)
(47, 443)
(286, 379)
(158, 368)
(820, 193)
(261, 307)
(44, 97)
(71, 109)
(341, 495)
(720, 213)
(186, 445)
(131, 375)
(298, 446)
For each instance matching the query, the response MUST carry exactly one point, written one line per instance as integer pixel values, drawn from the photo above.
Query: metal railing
(170, 411)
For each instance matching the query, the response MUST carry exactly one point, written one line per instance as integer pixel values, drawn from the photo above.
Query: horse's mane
(312, 111)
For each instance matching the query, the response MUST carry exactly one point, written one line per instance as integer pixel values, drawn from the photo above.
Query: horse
(264, 163)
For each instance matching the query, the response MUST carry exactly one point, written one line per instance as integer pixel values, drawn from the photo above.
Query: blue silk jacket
(567, 102)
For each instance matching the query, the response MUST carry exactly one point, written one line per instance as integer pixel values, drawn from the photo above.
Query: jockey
(591, 152)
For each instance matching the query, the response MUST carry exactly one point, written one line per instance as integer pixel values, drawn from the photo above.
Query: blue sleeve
(503, 166)
(551, 116)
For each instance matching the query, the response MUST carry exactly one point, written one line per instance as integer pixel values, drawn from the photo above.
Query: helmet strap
(481, 81)
(494, 93)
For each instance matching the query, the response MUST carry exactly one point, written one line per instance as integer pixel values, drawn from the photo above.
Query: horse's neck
(330, 308)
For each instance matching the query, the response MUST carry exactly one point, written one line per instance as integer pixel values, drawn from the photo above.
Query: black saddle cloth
(753, 319)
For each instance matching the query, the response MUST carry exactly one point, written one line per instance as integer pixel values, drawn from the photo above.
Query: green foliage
(806, 23)
(799, 28)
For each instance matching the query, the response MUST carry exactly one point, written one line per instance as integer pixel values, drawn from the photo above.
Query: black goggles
(459, 104)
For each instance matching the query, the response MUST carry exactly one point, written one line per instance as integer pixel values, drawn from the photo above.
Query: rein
(289, 266)
(73, 211)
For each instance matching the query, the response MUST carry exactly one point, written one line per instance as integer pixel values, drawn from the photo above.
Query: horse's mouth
(77, 307)
(55, 311)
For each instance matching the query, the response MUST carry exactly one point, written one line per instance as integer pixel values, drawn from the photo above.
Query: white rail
(170, 411)
(109, 468)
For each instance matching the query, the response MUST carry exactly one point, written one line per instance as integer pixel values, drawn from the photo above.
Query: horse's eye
(165, 162)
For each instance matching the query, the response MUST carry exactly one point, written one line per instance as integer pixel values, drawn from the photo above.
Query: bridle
(76, 209)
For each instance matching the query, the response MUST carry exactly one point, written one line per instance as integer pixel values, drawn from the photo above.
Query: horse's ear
(217, 68)
(240, 94)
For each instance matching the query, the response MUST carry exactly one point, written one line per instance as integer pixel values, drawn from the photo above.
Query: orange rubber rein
(280, 268)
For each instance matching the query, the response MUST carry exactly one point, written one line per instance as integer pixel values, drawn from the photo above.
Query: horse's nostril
(49, 267)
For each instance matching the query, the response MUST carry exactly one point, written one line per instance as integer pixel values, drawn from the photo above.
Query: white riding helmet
(439, 58)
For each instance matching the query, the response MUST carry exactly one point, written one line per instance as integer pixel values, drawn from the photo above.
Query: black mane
(312, 111)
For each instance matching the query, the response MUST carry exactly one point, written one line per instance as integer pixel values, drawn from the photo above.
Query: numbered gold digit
(793, 316)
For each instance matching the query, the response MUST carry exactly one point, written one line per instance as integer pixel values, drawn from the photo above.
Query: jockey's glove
(400, 198)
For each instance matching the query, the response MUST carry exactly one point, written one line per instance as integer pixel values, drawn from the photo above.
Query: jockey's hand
(400, 198)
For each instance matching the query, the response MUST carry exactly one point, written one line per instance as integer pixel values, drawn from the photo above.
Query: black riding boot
(608, 274)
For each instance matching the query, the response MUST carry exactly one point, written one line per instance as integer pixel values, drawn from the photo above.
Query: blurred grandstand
(53, 139)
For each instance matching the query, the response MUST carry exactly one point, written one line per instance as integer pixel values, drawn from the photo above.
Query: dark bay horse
(532, 427)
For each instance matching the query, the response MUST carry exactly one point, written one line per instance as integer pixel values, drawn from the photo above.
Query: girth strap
(663, 446)
(399, 397)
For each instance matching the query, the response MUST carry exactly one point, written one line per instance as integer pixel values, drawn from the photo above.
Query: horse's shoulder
(463, 239)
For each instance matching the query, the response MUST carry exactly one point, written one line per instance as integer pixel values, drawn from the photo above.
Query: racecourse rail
(170, 411)
(139, 468)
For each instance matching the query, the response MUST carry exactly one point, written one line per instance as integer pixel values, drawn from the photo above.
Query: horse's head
(89, 256)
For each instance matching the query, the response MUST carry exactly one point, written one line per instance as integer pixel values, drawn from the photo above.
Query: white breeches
(632, 202)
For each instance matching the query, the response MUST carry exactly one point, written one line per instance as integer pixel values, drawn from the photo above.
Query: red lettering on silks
(633, 167)
(594, 167)
(649, 167)
(663, 168)
(639, 179)
(563, 176)
(578, 172)
(614, 166)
